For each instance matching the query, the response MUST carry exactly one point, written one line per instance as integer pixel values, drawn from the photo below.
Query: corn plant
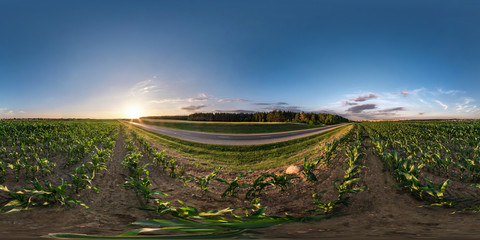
(44, 165)
(3, 171)
(308, 170)
(220, 224)
(131, 162)
(347, 186)
(141, 186)
(326, 207)
(233, 186)
(202, 182)
(437, 193)
(39, 195)
(257, 186)
(282, 181)
(159, 159)
(81, 179)
(329, 150)
(172, 166)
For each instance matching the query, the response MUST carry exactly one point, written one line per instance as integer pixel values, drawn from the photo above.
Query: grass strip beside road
(250, 157)
(227, 127)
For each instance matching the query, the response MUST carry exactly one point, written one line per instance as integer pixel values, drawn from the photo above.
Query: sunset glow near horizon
(124, 59)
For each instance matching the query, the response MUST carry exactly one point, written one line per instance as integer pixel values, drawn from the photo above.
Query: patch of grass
(250, 157)
(227, 127)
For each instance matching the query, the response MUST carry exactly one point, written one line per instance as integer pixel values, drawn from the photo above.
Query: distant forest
(273, 116)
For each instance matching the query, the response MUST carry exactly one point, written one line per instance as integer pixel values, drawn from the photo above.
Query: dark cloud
(422, 113)
(271, 104)
(347, 103)
(283, 108)
(361, 108)
(232, 100)
(392, 110)
(234, 111)
(364, 98)
(193, 107)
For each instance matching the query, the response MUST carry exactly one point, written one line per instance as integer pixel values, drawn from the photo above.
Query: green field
(227, 127)
(113, 167)
(242, 157)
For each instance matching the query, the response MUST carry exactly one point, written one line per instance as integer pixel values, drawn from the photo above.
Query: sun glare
(134, 113)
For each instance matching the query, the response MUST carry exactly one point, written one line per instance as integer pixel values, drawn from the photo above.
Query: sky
(399, 59)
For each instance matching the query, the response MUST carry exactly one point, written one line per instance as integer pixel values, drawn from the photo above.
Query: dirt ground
(384, 211)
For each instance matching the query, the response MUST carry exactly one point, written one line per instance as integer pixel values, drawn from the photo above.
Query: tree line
(273, 116)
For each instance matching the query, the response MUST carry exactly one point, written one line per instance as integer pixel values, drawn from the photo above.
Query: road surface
(235, 139)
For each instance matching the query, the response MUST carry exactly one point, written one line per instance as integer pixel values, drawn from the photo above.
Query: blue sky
(359, 59)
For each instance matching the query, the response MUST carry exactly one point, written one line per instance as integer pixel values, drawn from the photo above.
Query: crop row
(24, 158)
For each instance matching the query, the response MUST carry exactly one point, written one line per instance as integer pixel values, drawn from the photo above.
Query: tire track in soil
(110, 208)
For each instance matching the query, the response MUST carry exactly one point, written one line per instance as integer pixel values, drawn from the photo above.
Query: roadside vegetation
(241, 157)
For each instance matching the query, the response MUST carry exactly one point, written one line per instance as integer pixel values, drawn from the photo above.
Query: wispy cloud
(144, 87)
(405, 93)
(466, 106)
(449, 92)
(361, 108)
(228, 100)
(234, 111)
(192, 107)
(201, 97)
(283, 108)
(347, 103)
(445, 107)
(388, 110)
(168, 100)
(270, 104)
(365, 97)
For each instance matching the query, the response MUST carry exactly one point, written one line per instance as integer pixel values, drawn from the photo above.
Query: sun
(134, 113)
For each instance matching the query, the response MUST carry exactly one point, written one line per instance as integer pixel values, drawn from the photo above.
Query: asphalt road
(235, 139)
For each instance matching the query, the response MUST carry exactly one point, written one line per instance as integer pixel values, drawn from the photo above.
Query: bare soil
(384, 211)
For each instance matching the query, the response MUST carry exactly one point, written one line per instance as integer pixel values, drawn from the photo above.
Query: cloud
(202, 97)
(449, 92)
(144, 87)
(234, 111)
(468, 100)
(283, 108)
(405, 93)
(227, 100)
(364, 98)
(192, 107)
(466, 106)
(270, 104)
(421, 114)
(389, 110)
(361, 108)
(168, 100)
(347, 103)
(445, 107)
